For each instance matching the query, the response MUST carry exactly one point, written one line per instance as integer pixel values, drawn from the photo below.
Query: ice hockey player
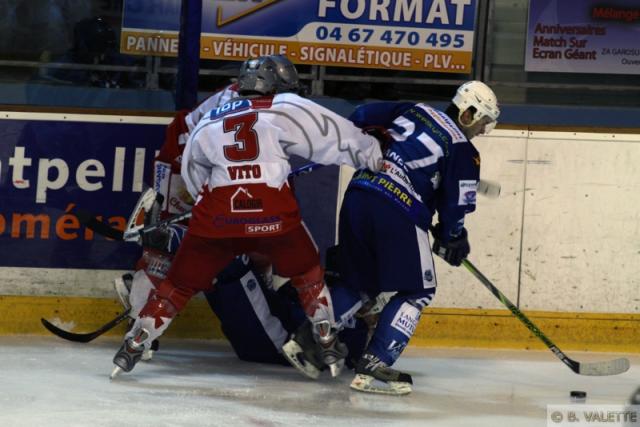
(235, 166)
(430, 167)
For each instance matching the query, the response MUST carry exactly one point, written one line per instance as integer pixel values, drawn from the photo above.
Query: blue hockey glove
(454, 250)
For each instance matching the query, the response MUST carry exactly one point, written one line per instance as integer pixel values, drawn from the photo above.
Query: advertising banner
(583, 36)
(47, 168)
(50, 167)
(418, 35)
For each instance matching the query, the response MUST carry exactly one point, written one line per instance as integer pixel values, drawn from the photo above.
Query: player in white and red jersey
(235, 164)
(160, 245)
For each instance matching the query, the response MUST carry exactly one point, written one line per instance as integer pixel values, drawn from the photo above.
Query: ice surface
(45, 381)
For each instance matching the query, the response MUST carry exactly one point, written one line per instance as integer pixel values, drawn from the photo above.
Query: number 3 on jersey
(246, 147)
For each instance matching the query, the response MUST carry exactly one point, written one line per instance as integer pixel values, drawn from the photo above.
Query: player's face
(482, 126)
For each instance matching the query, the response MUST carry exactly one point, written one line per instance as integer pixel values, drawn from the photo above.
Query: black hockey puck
(577, 394)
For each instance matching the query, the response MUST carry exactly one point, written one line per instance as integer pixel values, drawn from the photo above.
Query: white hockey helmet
(480, 96)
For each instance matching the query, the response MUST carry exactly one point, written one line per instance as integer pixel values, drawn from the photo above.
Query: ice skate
(129, 354)
(122, 286)
(374, 376)
(333, 352)
(303, 352)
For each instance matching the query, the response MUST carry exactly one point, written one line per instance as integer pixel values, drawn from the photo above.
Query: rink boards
(561, 241)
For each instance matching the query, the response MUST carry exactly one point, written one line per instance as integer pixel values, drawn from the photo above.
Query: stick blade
(90, 336)
(611, 367)
(69, 336)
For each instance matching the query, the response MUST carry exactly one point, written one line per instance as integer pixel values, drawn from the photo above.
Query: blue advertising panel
(419, 35)
(49, 167)
(583, 36)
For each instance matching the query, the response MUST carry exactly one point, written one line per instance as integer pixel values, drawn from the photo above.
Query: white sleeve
(196, 167)
(316, 133)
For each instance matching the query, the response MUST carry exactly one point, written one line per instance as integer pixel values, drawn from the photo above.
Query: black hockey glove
(453, 251)
(157, 239)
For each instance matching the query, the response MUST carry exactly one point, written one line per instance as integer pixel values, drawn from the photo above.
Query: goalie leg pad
(141, 287)
(143, 206)
(122, 286)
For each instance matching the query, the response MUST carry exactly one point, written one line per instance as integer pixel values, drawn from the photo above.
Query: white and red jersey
(214, 101)
(167, 165)
(237, 160)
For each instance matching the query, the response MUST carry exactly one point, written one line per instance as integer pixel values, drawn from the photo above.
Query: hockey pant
(256, 320)
(199, 260)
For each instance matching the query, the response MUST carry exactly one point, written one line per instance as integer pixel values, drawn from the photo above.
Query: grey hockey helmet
(268, 75)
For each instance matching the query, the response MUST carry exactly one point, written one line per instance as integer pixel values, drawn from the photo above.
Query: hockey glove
(166, 239)
(453, 251)
(157, 239)
(381, 134)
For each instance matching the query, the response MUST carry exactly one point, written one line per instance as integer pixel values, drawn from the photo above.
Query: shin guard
(314, 295)
(163, 305)
(397, 323)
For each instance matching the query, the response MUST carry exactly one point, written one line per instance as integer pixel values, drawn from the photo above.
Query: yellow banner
(160, 43)
(336, 55)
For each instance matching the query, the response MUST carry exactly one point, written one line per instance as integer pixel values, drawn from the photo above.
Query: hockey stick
(90, 336)
(90, 221)
(611, 367)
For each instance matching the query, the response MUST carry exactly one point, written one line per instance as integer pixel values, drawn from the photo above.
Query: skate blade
(292, 352)
(365, 383)
(116, 371)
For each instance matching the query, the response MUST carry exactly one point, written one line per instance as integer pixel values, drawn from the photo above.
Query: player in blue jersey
(430, 167)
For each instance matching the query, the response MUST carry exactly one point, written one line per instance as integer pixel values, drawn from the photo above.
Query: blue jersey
(431, 159)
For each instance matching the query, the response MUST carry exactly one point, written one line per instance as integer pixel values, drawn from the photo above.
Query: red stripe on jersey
(262, 102)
